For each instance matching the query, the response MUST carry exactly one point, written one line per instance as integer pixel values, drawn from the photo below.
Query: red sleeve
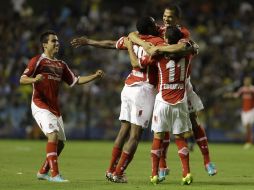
(186, 32)
(68, 76)
(120, 44)
(31, 66)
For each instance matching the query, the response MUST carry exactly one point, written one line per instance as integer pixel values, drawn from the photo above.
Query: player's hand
(39, 78)
(77, 42)
(99, 73)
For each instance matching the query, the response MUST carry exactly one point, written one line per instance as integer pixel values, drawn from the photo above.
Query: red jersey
(172, 74)
(147, 74)
(247, 94)
(45, 92)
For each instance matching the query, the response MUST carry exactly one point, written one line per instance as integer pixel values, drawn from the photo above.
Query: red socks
(183, 153)
(45, 167)
(116, 153)
(166, 141)
(202, 142)
(155, 155)
(125, 159)
(51, 150)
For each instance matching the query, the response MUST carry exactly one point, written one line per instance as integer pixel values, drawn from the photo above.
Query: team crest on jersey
(51, 126)
(140, 113)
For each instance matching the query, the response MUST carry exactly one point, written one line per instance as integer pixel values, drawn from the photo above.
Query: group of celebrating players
(158, 89)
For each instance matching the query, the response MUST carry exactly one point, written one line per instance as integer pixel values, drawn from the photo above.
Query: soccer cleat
(42, 176)
(154, 180)
(247, 146)
(119, 178)
(163, 172)
(58, 178)
(109, 176)
(211, 169)
(187, 180)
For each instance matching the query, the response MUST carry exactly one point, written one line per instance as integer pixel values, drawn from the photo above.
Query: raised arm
(89, 78)
(83, 41)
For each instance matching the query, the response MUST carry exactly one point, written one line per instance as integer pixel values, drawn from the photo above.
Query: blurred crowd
(223, 30)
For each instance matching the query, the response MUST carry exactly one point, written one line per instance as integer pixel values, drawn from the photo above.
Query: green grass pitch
(84, 164)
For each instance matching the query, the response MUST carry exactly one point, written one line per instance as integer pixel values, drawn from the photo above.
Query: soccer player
(171, 17)
(137, 98)
(246, 92)
(45, 72)
(171, 108)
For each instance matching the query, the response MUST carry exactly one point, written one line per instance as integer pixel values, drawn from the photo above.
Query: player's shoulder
(185, 31)
(35, 59)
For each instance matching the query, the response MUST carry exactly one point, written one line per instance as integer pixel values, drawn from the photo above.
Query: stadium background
(223, 29)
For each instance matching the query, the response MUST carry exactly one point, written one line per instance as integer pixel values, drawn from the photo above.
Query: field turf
(84, 164)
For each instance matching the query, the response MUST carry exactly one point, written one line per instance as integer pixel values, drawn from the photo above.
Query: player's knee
(53, 136)
(159, 135)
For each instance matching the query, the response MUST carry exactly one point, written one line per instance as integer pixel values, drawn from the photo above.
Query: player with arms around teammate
(171, 17)
(170, 109)
(246, 92)
(137, 98)
(45, 72)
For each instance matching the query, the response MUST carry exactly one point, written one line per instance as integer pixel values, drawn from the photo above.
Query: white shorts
(194, 102)
(48, 122)
(174, 118)
(137, 104)
(247, 117)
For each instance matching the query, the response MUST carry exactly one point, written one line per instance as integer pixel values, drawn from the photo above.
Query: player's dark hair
(146, 26)
(175, 8)
(173, 34)
(45, 37)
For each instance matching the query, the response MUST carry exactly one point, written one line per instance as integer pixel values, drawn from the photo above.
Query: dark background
(223, 29)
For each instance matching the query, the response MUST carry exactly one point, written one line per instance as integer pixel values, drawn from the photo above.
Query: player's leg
(60, 145)
(248, 136)
(183, 153)
(201, 140)
(49, 124)
(45, 167)
(163, 168)
(181, 128)
(194, 105)
(156, 150)
(127, 155)
(117, 148)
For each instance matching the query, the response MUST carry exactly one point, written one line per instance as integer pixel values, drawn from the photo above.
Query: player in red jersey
(246, 92)
(171, 16)
(137, 97)
(45, 72)
(171, 108)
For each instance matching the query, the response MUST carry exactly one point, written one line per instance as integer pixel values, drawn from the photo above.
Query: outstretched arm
(86, 79)
(83, 41)
(231, 95)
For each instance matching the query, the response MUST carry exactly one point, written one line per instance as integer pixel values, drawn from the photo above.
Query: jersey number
(139, 51)
(172, 72)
